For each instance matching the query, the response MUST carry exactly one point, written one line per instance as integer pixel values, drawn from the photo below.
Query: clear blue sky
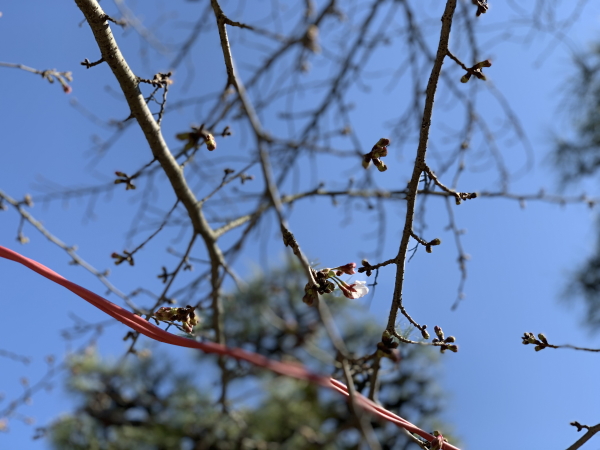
(500, 394)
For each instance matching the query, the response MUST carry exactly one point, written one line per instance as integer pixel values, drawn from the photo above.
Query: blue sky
(500, 394)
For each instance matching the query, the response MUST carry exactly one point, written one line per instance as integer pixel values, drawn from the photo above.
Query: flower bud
(348, 269)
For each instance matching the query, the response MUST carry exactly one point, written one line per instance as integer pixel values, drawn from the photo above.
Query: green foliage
(147, 404)
(579, 159)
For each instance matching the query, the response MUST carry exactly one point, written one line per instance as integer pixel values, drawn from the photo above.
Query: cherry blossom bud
(348, 269)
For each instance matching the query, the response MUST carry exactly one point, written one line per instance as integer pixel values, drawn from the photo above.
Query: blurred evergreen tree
(578, 159)
(151, 404)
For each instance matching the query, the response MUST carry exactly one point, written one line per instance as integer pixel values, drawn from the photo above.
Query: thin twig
(71, 251)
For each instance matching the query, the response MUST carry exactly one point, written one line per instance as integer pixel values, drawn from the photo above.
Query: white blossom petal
(361, 289)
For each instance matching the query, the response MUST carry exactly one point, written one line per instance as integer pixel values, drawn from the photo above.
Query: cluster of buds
(540, 344)
(482, 6)
(366, 268)
(476, 70)
(195, 137)
(64, 78)
(124, 178)
(388, 347)
(328, 279)
(444, 343)
(461, 196)
(126, 256)
(160, 79)
(186, 316)
(378, 151)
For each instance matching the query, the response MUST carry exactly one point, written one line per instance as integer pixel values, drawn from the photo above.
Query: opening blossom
(356, 290)
(327, 279)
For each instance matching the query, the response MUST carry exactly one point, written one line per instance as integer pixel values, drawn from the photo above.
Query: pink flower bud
(348, 269)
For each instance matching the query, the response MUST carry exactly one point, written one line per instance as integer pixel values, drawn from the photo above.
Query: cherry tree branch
(129, 83)
(419, 167)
